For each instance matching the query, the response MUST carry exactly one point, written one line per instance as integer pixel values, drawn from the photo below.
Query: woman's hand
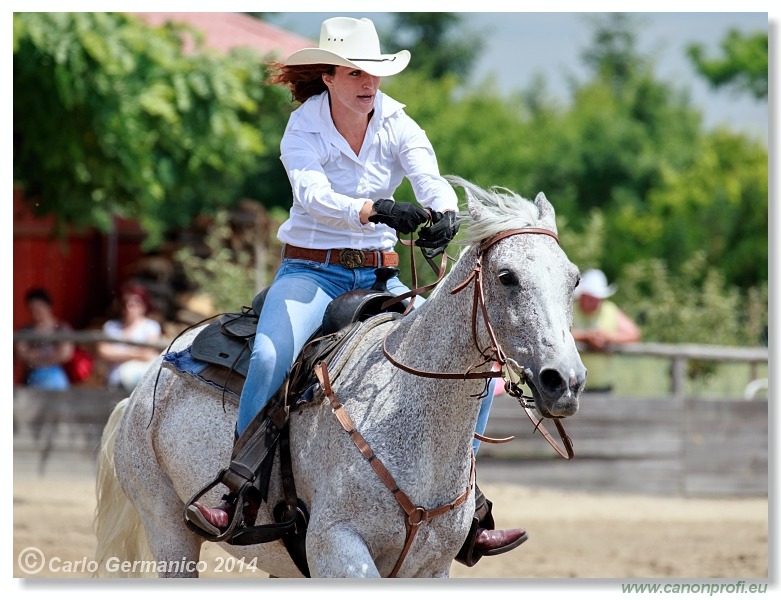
(434, 239)
(404, 217)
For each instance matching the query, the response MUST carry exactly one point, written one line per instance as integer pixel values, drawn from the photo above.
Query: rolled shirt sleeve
(313, 192)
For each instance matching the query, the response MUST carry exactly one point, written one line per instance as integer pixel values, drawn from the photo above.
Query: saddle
(225, 345)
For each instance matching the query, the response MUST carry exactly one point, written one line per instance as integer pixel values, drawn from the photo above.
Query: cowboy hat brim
(383, 66)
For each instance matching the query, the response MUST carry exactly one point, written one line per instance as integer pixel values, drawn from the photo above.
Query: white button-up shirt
(331, 184)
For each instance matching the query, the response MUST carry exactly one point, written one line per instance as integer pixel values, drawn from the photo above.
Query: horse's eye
(508, 278)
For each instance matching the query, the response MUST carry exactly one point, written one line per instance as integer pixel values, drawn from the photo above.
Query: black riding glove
(434, 239)
(404, 217)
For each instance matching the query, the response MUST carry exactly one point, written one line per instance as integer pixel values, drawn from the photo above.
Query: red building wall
(82, 272)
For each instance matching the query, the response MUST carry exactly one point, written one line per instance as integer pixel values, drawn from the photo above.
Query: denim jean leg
(482, 416)
(292, 312)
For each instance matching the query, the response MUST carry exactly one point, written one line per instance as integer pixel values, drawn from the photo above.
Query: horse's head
(528, 285)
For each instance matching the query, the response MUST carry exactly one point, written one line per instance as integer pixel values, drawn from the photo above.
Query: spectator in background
(598, 323)
(44, 360)
(128, 363)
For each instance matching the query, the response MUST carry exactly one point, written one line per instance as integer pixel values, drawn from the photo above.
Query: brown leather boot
(214, 519)
(483, 539)
(490, 542)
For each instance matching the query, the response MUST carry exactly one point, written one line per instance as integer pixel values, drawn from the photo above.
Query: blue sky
(520, 45)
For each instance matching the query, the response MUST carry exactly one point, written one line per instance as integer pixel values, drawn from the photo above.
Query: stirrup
(195, 520)
(196, 516)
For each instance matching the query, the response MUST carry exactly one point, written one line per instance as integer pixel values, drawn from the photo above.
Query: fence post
(678, 376)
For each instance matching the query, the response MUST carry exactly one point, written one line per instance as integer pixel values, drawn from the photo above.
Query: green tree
(742, 66)
(633, 176)
(438, 41)
(111, 117)
(226, 274)
(694, 304)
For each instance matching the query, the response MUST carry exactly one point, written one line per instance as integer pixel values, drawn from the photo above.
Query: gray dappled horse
(158, 451)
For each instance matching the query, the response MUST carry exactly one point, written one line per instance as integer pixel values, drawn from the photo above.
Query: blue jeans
(292, 312)
(48, 378)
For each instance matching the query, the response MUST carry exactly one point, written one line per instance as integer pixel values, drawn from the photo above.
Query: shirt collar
(316, 110)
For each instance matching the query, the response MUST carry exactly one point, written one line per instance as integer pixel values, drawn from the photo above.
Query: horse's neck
(439, 336)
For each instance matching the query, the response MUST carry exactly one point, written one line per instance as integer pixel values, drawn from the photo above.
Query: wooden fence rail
(680, 355)
(681, 446)
(670, 445)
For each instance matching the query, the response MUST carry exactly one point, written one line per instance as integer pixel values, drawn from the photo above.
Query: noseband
(494, 353)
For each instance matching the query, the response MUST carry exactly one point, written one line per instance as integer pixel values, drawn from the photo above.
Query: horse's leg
(339, 552)
(170, 541)
(154, 497)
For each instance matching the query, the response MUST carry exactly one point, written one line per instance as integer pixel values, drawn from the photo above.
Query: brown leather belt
(347, 257)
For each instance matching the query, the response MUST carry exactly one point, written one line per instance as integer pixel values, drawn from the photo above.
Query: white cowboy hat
(353, 43)
(593, 282)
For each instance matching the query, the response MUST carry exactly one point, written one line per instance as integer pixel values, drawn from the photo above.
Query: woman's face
(133, 306)
(40, 311)
(352, 90)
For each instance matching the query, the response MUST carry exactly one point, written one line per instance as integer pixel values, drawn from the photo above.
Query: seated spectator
(128, 363)
(598, 323)
(44, 360)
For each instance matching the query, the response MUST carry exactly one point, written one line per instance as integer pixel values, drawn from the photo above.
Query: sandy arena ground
(571, 534)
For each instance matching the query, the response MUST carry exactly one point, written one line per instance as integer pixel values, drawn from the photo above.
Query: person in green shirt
(598, 323)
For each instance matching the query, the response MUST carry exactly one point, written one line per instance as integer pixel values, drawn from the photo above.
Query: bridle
(416, 515)
(513, 377)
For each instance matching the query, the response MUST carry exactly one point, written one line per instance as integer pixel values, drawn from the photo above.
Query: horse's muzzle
(559, 393)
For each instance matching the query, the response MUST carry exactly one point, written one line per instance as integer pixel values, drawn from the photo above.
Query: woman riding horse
(346, 149)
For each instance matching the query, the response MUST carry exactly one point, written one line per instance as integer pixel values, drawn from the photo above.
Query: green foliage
(638, 185)
(693, 305)
(612, 56)
(718, 205)
(743, 65)
(225, 273)
(584, 248)
(111, 117)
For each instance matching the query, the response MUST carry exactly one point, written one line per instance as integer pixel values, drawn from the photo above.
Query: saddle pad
(212, 375)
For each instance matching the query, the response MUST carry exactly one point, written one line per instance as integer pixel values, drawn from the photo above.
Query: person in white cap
(346, 149)
(597, 323)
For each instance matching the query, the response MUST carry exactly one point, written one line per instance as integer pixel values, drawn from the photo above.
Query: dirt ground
(571, 535)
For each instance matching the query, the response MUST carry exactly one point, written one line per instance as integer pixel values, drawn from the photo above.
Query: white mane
(492, 211)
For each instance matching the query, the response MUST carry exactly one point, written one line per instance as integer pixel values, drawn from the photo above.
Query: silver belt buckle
(351, 258)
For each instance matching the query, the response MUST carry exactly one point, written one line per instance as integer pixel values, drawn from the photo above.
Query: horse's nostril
(551, 379)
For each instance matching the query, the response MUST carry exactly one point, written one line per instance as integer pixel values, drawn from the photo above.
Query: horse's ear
(547, 213)
(476, 208)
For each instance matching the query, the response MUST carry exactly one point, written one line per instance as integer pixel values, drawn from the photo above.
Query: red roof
(223, 31)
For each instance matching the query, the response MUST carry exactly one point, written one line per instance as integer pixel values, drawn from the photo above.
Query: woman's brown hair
(304, 81)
